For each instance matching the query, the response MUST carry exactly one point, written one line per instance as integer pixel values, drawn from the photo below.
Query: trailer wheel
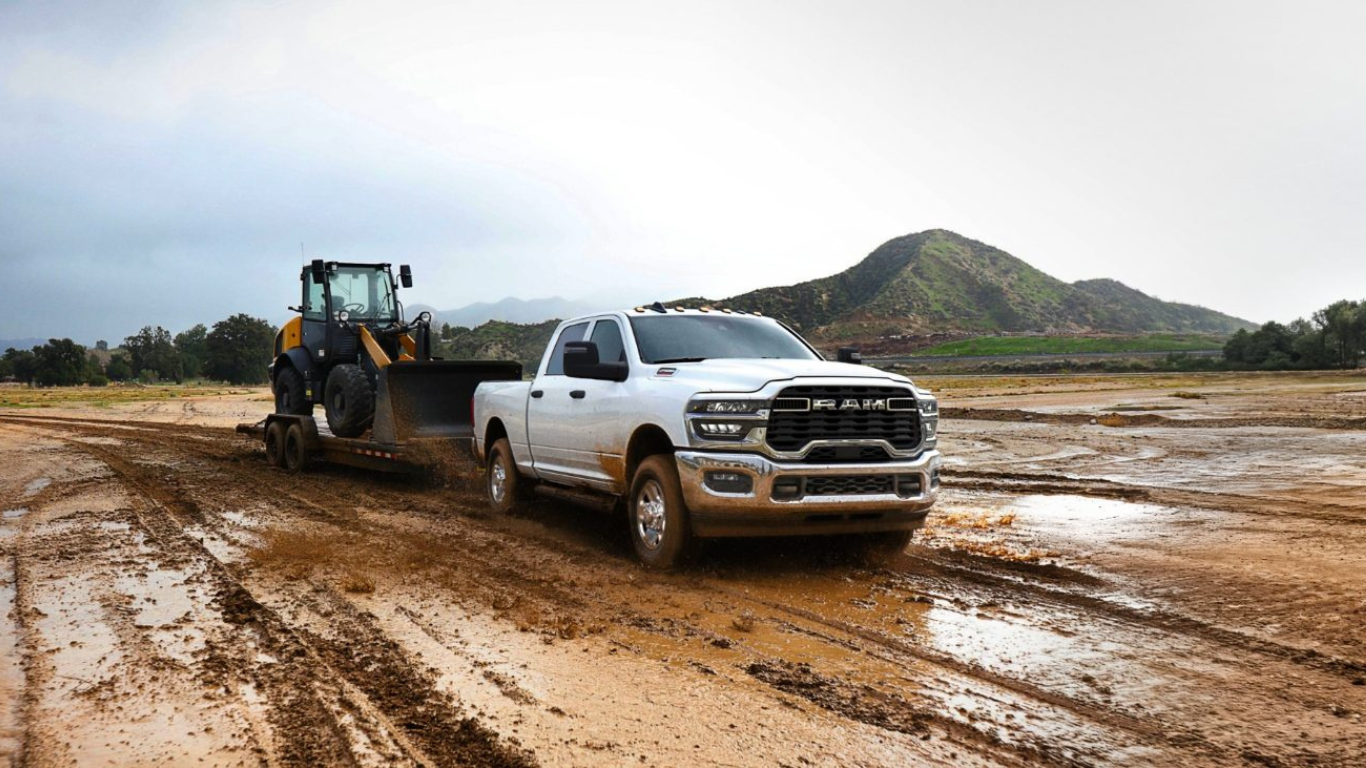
(289, 393)
(349, 401)
(502, 480)
(296, 449)
(658, 518)
(275, 443)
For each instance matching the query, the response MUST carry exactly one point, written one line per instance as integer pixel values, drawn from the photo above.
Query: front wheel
(349, 401)
(878, 549)
(660, 531)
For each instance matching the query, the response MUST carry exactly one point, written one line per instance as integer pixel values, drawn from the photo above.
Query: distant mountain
(497, 340)
(509, 310)
(938, 281)
(21, 343)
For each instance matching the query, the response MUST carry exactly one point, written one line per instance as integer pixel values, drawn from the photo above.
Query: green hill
(937, 281)
(933, 282)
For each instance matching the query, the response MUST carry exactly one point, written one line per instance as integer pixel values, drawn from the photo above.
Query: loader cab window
(573, 333)
(315, 304)
(366, 292)
(607, 335)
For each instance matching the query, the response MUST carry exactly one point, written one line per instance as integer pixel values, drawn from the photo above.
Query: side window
(607, 335)
(315, 305)
(573, 333)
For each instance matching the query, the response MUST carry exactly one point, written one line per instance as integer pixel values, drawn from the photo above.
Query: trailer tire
(349, 401)
(289, 393)
(501, 478)
(296, 449)
(275, 444)
(657, 516)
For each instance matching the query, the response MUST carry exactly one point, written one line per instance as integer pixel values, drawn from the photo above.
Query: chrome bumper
(758, 513)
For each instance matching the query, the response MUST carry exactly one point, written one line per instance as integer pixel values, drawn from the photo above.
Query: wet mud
(1142, 592)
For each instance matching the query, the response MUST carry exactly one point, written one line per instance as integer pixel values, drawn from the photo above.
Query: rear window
(574, 332)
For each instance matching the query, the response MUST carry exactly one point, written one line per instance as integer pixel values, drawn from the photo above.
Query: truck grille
(794, 487)
(793, 430)
(847, 454)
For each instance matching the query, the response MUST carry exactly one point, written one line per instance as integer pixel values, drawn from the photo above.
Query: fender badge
(666, 371)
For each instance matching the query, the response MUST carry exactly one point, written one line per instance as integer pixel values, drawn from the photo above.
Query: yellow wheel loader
(351, 351)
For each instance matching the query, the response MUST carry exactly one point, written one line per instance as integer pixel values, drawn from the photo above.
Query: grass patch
(106, 397)
(1065, 345)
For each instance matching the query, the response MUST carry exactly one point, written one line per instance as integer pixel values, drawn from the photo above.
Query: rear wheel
(658, 518)
(503, 481)
(349, 401)
(289, 393)
(275, 443)
(296, 449)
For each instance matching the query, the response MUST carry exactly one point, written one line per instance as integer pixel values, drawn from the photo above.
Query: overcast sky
(162, 163)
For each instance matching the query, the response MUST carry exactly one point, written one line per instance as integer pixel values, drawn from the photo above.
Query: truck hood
(748, 375)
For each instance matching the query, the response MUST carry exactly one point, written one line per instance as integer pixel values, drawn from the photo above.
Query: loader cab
(338, 298)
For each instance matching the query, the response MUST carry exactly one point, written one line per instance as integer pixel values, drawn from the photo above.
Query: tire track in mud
(269, 484)
(425, 730)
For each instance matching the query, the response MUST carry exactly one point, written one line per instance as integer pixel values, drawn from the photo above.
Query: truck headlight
(726, 406)
(722, 430)
(929, 407)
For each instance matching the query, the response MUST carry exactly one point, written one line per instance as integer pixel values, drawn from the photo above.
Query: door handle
(577, 394)
(537, 393)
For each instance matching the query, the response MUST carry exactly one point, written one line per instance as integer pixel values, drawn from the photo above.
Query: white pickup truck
(706, 423)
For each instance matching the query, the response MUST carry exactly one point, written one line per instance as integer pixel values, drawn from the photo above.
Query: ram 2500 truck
(708, 423)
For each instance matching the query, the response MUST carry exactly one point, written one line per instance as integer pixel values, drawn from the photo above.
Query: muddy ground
(1180, 582)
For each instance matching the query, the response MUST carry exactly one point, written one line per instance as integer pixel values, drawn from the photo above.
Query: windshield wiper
(679, 360)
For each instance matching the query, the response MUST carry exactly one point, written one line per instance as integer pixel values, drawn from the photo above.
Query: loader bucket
(431, 398)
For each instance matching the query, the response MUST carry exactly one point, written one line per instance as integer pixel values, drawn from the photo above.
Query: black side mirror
(319, 272)
(850, 355)
(581, 362)
(405, 276)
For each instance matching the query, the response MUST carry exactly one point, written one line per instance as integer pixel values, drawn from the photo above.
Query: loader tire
(349, 401)
(289, 393)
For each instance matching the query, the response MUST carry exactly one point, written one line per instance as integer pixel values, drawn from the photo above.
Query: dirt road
(1184, 587)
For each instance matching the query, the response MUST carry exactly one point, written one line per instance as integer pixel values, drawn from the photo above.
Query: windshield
(367, 293)
(688, 338)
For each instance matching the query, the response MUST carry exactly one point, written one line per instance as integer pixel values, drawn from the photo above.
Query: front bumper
(759, 513)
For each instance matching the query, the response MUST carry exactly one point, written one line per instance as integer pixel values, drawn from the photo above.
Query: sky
(173, 163)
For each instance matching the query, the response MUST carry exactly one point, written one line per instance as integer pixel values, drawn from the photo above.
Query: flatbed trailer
(422, 418)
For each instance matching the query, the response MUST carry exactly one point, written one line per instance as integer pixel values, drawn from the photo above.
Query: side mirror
(850, 355)
(319, 272)
(405, 276)
(581, 362)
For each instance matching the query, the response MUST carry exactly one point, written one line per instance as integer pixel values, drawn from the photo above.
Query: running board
(599, 501)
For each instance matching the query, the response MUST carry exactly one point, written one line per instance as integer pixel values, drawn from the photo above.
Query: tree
(1345, 328)
(60, 363)
(21, 364)
(119, 369)
(239, 349)
(192, 346)
(152, 350)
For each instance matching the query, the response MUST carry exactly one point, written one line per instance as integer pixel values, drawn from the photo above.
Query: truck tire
(296, 449)
(878, 549)
(289, 393)
(502, 480)
(349, 401)
(657, 516)
(275, 443)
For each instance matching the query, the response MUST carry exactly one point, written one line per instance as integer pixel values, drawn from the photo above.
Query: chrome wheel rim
(650, 515)
(498, 479)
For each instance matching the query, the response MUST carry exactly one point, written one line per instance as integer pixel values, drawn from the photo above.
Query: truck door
(583, 437)
(550, 431)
